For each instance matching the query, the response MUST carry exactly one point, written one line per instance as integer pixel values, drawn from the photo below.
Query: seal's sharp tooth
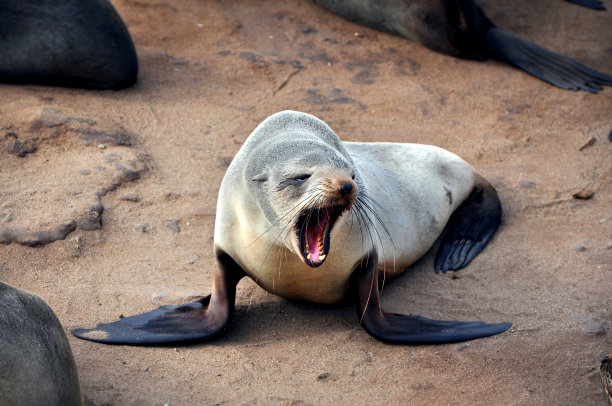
(321, 257)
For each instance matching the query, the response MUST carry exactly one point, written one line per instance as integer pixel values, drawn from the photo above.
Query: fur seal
(461, 29)
(310, 217)
(73, 43)
(36, 363)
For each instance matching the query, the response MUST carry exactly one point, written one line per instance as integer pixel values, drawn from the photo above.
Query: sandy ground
(130, 179)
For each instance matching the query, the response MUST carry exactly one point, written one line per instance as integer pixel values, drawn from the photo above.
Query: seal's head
(302, 183)
(305, 188)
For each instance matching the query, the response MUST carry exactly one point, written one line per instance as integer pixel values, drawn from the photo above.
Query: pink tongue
(313, 238)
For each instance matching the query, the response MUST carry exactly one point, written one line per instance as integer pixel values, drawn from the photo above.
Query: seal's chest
(282, 272)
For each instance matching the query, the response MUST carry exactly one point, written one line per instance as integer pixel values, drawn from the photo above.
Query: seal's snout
(335, 194)
(346, 188)
(343, 191)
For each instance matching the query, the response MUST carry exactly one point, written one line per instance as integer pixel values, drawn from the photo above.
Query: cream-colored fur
(413, 189)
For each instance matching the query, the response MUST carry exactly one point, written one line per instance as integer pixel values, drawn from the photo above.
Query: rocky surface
(56, 168)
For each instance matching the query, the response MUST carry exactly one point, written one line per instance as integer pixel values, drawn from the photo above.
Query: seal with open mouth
(310, 217)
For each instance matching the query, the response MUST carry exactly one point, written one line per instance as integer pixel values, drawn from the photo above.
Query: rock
(130, 197)
(19, 148)
(584, 194)
(143, 227)
(588, 143)
(527, 184)
(156, 299)
(594, 328)
(173, 225)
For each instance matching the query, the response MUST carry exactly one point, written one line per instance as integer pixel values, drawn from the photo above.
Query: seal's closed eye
(295, 180)
(301, 178)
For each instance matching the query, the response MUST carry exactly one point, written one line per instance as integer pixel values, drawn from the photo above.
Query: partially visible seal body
(460, 28)
(74, 43)
(36, 363)
(308, 216)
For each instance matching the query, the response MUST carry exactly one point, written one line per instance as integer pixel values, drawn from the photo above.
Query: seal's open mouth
(312, 230)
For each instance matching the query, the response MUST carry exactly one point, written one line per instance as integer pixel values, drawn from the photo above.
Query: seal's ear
(262, 177)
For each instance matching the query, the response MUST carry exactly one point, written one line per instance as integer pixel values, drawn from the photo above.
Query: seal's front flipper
(551, 67)
(409, 329)
(166, 324)
(594, 4)
(469, 229)
(199, 320)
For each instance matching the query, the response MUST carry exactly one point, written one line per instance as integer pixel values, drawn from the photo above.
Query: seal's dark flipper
(199, 320)
(166, 324)
(409, 329)
(553, 68)
(594, 4)
(469, 229)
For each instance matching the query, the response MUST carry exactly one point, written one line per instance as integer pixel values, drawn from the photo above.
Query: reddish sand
(131, 177)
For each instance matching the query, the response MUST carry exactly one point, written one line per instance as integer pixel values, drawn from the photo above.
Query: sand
(110, 209)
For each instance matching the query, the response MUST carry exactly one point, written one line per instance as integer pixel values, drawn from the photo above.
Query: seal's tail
(549, 66)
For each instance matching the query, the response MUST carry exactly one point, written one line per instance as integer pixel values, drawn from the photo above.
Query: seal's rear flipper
(594, 4)
(469, 229)
(478, 35)
(408, 329)
(551, 67)
(195, 321)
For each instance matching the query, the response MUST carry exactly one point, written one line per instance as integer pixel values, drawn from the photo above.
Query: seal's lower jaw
(313, 229)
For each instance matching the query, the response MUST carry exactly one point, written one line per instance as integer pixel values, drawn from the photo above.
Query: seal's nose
(346, 188)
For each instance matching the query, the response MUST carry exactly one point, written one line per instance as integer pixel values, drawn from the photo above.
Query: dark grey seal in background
(460, 28)
(73, 43)
(36, 363)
